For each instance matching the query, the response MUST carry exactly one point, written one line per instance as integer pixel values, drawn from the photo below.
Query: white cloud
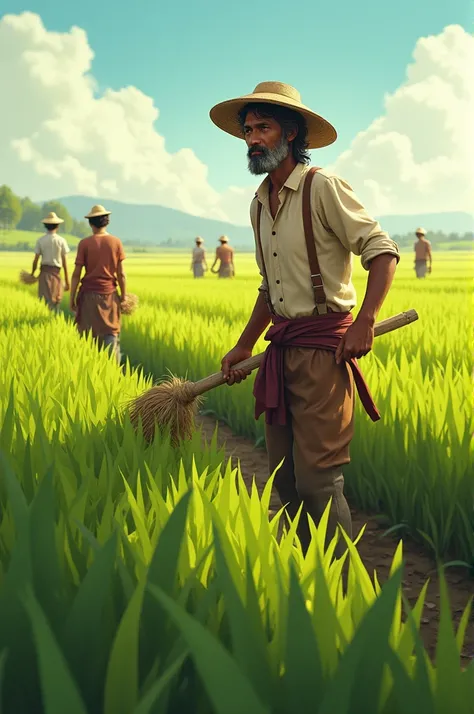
(419, 156)
(61, 136)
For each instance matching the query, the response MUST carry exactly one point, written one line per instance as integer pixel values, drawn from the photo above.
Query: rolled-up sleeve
(258, 257)
(350, 222)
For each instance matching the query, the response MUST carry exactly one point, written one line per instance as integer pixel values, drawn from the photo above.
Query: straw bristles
(169, 405)
(130, 304)
(27, 278)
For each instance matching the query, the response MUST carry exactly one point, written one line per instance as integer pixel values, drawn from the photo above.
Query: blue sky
(342, 56)
(346, 59)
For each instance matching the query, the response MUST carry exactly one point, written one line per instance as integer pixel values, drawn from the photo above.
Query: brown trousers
(50, 286)
(315, 441)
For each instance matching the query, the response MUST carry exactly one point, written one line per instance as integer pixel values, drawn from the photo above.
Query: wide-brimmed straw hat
(420, 230)
(52, 219)
(97, 211)
(199, 240)
(224, 239)
(225, 114)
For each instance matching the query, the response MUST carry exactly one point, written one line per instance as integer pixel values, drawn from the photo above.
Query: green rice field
(141, 579)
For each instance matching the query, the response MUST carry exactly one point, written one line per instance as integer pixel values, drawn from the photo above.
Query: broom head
(27, 278)
(171, 404)
(130, 304)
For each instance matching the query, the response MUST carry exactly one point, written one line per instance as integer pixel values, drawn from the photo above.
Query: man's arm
(76, 275)
(429, 255)
(359, 338)
(35, 263)
(66, 273)
(122, 281)
(75, 280)
(257, 323)
(215, 260)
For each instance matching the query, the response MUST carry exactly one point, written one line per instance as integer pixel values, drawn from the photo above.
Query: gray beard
(270, 159)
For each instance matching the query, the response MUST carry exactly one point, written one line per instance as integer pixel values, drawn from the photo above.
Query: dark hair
(50, 226)
(288, 119)
(99, 221)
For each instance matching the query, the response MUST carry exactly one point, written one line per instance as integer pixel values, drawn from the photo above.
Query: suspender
(316, 279)
(315, 271)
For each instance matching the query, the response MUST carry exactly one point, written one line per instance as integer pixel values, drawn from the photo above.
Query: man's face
(267, 144)
(419, 236)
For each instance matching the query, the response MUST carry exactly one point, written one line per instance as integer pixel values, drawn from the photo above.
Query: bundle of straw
(27, 278)
(130, 304)
(172, 404)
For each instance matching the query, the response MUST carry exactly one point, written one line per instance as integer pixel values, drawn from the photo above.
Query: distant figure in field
(422, 254)
(98, 306)
(199, 264)
(225, 254)
(53, 249)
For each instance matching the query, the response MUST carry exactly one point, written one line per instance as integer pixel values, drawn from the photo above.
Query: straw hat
(420, 230)
(225, 114)
(224, 239)
(97, 211)
(52, 219)
(199, 240)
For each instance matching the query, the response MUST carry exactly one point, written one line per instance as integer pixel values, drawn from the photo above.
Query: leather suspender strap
(315, 271)
(264, 270)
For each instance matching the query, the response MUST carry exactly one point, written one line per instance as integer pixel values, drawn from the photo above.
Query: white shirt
(52, 248)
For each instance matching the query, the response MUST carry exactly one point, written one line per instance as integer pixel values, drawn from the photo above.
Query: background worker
(198, 263)
(422, 254)
(52, 248)
(97, 305)
(224, 253)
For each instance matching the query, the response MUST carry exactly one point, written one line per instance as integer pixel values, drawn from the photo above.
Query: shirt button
(281, 299)
(278, 282)
(273, 233)
(275, 255)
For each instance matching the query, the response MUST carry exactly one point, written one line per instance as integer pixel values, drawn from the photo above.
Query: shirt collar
(292, 182)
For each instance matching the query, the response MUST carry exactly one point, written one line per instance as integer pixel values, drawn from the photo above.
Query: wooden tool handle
(380, 328)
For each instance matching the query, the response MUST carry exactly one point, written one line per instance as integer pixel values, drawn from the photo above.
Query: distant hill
(155, 225)
(158, 225)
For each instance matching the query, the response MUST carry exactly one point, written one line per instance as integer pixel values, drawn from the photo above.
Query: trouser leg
(321, 401)
(112, 342)
(279, 442)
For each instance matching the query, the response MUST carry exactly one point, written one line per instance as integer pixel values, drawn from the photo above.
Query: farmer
(198, 263)
(97, 305)
(306, 382)
(422, 254)
(225, 254)
(53, 250)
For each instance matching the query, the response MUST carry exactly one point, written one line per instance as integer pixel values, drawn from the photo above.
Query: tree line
(435, 238)
(24, 215)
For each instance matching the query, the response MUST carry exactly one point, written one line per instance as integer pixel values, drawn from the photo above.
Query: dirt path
(376, 552)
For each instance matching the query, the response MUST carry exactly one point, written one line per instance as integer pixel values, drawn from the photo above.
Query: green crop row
(415, 465)
(141, 579)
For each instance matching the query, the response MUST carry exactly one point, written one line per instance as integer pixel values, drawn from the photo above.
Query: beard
(269, 159)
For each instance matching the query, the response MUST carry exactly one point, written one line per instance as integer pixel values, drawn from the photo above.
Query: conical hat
(225, 114)
(52, 219)
(97, 211)
(420, 230)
